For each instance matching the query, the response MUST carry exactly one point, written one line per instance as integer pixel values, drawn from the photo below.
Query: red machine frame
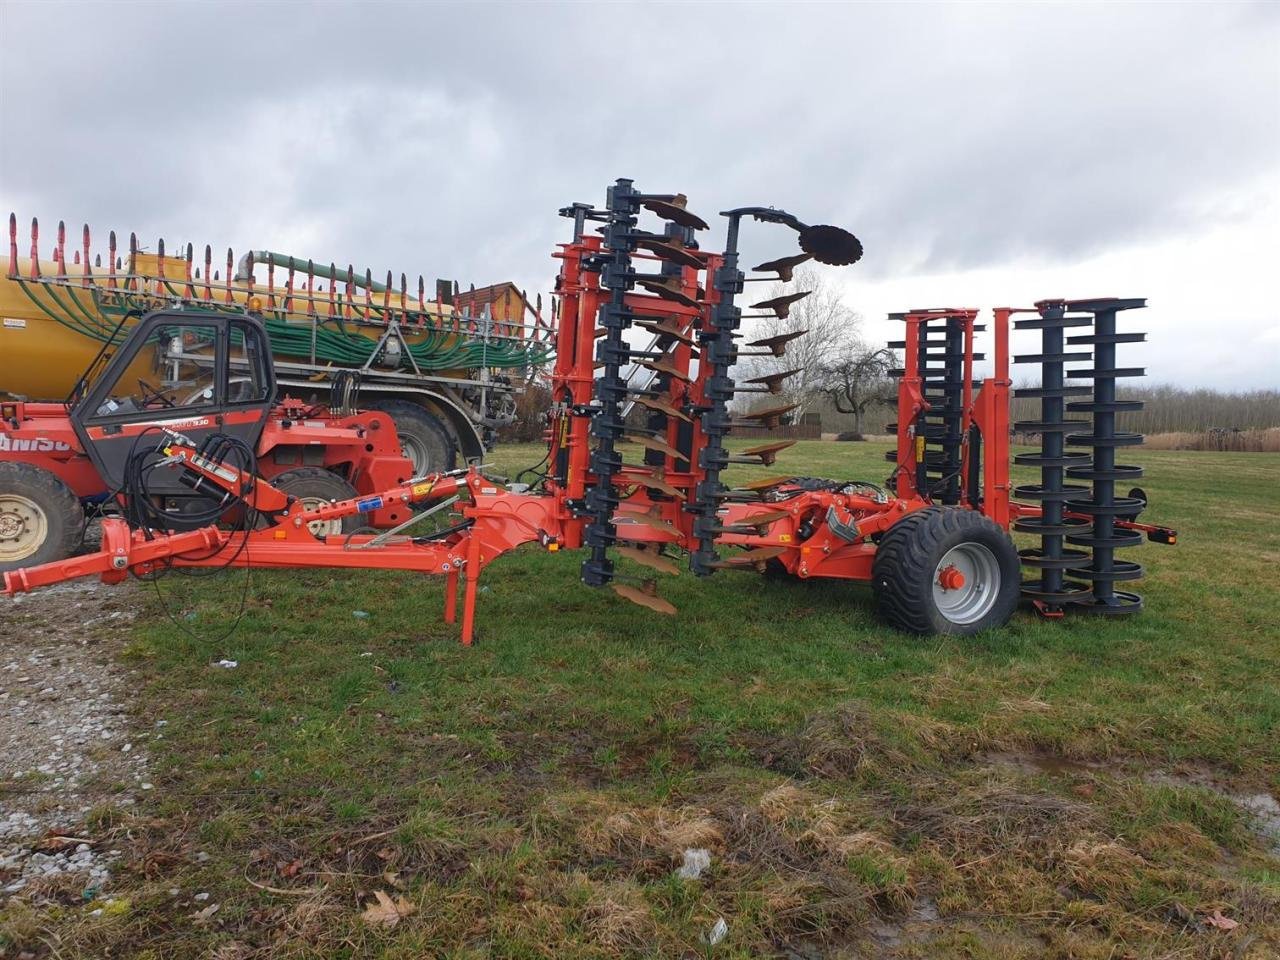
(809, 533)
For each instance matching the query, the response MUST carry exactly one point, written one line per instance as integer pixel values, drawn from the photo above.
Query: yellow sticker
(784, 538)
(422, 489)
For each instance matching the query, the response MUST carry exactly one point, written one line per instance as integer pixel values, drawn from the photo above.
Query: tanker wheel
(41, 520)
(946, 570)
(424, 441)
(314, 487)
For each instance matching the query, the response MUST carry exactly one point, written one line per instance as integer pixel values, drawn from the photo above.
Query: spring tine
(111, 260)
(422, 301)
(230, 269)
(35, 250)
(75, 258)
(288, 288)
(333, 286)
(190, 258)
(86, 274)
(97, 259)
(404, 300)
(60, 257)
(249, 280)
(311, 289)
(271, 283)
(13, 244)
(351, 291)
(368, 294)
(160, 260)
(386, 297)
(132, 271)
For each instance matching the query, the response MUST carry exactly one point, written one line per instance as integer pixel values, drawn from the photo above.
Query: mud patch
(1263, 809)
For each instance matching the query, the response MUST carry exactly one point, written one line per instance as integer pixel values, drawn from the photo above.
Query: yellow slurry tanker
(443, 363)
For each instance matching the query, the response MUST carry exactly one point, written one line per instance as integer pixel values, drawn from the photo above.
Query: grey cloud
(441, 138)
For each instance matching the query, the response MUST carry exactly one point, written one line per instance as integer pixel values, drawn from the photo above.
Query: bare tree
(856, 377)
(829, 323)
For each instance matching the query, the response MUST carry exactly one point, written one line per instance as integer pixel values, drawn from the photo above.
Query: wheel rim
(320, 528)
(23, 527)
(416, 452)
(966, 583)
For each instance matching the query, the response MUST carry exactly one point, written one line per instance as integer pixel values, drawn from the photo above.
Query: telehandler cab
(206, 375)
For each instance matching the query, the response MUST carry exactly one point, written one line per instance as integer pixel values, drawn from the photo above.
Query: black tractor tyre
(946, 570)
(313, 484)
(424, 439)
(41, 520)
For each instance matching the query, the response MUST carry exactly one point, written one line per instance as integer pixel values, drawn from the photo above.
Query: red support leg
(469, 594)
(451, 596)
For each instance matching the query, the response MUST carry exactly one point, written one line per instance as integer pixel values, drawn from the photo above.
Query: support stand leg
(451, 597)
(472, 574)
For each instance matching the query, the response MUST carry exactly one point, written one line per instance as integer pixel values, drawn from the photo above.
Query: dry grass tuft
(617, 917)
(639, 832)
(1104, 868)
(854, 739)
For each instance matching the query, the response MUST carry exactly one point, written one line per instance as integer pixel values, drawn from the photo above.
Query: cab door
(192, 373)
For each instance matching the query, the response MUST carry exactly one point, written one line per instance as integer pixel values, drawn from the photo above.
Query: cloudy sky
(986, 154)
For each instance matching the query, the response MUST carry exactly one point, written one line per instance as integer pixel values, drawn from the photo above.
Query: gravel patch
(66, 745)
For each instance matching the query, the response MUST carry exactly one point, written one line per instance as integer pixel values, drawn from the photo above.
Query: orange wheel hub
(951, 579)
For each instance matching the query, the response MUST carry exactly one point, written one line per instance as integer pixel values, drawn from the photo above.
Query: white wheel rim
(23, 527)
(320, 528)
(416, 452)
(966, 583)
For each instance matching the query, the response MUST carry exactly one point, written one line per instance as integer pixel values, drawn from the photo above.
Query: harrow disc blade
(653, 443)
(657, 482)
(664, 365)
(671, 252)
(668, 327)
(831, 245)
(771, 416)
(773, 381)
(781, 306)
(655, 523)
(749, 558)
(784, 267)
(762, 520)
(650, 600)
(661, 406)
(649, 558)
(668, 291)
(778, 344)
(767, 452)
(674, 210)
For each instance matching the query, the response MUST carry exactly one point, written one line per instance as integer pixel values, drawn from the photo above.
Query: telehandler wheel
(314, 486)
(424, 440)
(41, 520)
(946, 570)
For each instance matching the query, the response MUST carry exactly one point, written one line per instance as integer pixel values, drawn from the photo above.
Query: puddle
(911, 929)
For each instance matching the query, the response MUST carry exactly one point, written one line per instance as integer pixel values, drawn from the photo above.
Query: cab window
(177, 370)
(247, 380)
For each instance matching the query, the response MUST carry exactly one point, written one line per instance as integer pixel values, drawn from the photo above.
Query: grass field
(1069, 789)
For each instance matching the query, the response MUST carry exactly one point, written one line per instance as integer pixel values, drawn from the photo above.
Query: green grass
(1046, 789)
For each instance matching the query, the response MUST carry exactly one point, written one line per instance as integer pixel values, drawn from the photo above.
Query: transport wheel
(423, 438)
(945, 570)
(314, 486)
(41, 520)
